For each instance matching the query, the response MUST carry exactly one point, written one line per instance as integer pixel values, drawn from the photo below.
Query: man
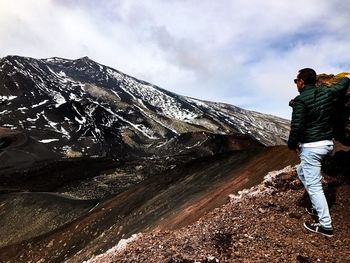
(311, 134)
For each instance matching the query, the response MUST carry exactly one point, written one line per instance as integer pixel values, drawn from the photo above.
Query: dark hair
(308, 75)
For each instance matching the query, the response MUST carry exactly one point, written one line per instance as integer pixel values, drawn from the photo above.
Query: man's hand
(291, 103)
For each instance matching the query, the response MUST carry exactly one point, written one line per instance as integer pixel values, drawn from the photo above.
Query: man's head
(306, 76)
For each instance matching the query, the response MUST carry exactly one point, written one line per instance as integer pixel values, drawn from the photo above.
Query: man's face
(300, 83)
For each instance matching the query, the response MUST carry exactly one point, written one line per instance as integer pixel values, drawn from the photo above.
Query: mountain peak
(85, 58)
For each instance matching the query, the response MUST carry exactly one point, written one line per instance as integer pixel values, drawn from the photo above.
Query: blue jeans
(309, 172)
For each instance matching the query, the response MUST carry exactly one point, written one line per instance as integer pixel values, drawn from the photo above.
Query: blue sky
(241, 52)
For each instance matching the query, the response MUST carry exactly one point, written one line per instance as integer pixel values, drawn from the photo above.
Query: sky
(240, 52)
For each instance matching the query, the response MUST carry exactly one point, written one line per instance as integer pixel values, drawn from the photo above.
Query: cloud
(241, 52)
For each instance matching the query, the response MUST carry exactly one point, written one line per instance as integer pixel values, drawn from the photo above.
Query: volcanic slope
(19, 150)
(26, 215)
(175, 198)
(262, 224)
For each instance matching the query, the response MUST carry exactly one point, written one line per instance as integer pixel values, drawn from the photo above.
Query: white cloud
(241, 52)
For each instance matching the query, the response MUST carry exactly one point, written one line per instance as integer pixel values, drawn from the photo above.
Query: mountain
(82, 108)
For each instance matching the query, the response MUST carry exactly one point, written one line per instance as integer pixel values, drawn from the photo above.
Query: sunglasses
(295, 81)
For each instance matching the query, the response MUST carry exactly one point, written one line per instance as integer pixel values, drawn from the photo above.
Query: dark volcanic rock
(51, 175)
(18, 150)
(27, 215)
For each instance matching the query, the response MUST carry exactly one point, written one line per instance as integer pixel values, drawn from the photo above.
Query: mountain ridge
(86, 107)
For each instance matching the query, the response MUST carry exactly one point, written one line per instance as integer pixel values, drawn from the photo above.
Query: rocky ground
(264, 224)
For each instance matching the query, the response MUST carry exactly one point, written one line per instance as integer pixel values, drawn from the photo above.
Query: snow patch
(197, 102)
(7, 125)
(3, 98)
(39, 104)
(72, 96)
(61, 74)
(115, 93)
(82, 121)
(32, 120)
(118, 248)
(49, 140)
(59, 99)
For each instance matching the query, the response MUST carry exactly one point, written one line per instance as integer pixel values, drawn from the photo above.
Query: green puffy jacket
(313, 113)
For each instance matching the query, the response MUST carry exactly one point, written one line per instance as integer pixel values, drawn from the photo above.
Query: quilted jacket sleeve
(340, 88)
(297, 124)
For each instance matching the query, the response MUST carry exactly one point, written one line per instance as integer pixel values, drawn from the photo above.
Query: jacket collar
(308, 87)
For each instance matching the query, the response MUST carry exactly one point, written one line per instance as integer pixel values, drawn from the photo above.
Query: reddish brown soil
(263, 228)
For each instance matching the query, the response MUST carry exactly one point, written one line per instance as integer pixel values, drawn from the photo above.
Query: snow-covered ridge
(86, 101)
(166, 105)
